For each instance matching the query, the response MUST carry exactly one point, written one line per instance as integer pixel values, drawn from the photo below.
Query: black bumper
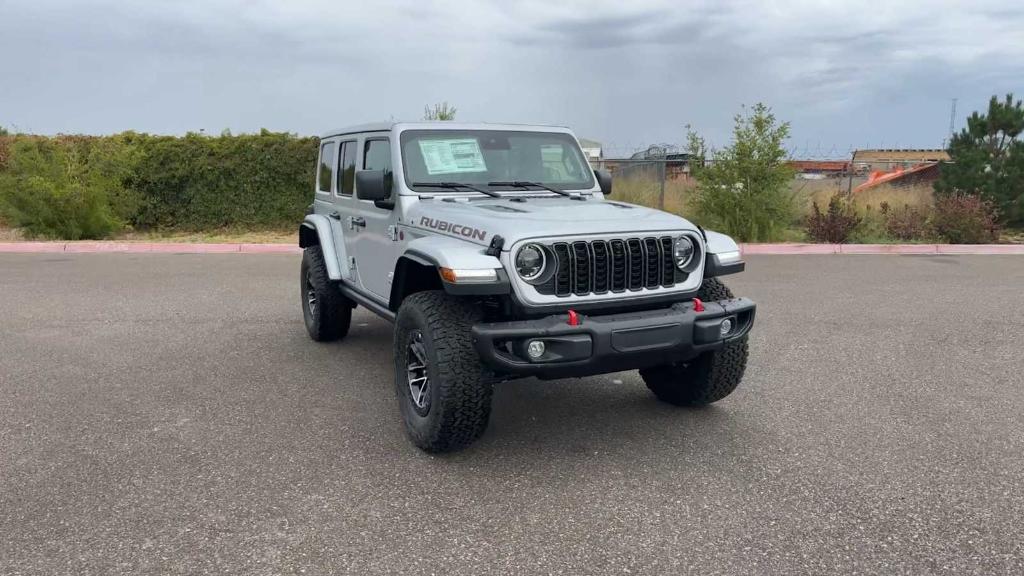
(610, 343)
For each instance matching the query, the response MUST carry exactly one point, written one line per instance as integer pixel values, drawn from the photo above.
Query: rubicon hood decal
(454, 228)
(480, 220)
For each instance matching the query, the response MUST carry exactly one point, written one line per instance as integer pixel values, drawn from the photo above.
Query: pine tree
(988, 159)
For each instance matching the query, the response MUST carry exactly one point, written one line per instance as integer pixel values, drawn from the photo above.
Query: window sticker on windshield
(452, 156)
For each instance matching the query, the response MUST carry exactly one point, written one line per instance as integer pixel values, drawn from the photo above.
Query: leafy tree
(442, 111)
(988, 159)
(3, 131)
(743, 189)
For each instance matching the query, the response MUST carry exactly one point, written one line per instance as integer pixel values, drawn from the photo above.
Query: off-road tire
(459, 393)
(329, 318)
(707, 378)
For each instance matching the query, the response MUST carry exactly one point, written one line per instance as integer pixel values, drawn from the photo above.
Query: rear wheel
(325, 310)
(444, 393)
(707, 378)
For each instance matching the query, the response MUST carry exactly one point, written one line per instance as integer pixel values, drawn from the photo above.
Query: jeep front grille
(601, 266)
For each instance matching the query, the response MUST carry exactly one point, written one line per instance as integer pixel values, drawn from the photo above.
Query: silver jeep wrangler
(496, 252)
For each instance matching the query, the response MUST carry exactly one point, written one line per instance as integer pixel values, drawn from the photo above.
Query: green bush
(88, 187)
(48, 189)
(198, 182)
(71, 212)
(871, 229)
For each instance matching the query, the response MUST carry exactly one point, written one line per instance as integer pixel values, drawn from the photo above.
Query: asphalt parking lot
(168, 414)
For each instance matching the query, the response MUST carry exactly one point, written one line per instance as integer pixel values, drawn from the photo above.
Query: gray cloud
(626, 73)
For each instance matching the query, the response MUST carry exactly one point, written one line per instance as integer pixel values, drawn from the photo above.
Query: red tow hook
(698, 306)
(574, 318)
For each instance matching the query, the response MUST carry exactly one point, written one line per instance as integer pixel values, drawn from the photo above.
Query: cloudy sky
(628, 73)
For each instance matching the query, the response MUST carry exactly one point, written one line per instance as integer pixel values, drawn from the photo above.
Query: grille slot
(581, 263)
(618, 265)
(600, 258)
(652, 262)
(635, 251)
(563, 273)
(619, 262)
(668, 267)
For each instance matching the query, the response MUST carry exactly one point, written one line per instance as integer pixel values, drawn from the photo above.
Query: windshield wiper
(456, 185)
(527, 184)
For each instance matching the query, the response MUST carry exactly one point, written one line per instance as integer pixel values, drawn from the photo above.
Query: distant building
(819, 169)
(891, 159)
(917, 175)
(592, 150)
(899, 167)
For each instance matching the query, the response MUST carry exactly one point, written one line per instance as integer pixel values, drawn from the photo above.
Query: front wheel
(707, 378)
(443, 391)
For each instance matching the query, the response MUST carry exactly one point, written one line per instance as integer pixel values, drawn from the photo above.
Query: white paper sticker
(452, 156)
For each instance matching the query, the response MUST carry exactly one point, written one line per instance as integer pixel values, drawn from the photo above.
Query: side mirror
(604, 180)
(374, 185)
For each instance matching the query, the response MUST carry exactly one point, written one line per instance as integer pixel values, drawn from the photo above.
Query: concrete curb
(776, 249)
(980, 249)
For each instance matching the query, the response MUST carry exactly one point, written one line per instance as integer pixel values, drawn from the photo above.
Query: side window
(324, 173)
(377, 156)
(347, 168)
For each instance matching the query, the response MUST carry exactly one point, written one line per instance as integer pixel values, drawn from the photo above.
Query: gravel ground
(167, 414)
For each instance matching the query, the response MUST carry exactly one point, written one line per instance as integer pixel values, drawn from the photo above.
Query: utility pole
(952, 121)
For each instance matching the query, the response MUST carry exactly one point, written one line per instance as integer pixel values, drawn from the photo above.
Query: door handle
(336, 215)
(358, 221)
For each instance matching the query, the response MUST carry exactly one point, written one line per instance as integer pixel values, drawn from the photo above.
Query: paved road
(167, 414)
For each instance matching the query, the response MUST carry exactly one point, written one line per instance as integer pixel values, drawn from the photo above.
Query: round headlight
(683, 251)
(530, 262)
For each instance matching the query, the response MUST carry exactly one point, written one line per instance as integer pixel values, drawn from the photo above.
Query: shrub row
(74, 187)
(955, 218)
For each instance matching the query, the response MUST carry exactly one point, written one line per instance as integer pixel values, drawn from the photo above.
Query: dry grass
(289, 236)
(678, 194)
(820, 191)
(918, 196)
(10, 234)
(807, 192)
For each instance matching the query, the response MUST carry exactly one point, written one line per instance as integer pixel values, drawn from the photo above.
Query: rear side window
(347, 168)
(324, 173)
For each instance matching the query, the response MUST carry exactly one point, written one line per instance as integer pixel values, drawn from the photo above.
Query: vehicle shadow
(610, 414)
(559, 420)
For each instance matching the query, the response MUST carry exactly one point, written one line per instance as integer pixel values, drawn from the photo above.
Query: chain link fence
(663, 183)
(668, 183)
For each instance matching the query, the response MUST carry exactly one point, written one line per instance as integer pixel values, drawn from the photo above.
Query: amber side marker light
(469, 276)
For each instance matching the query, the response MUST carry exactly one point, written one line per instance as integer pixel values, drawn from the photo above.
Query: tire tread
(707, 378)
(464, 390)
(334, 310)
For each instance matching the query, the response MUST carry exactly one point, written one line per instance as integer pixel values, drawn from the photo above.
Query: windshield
(485, 157)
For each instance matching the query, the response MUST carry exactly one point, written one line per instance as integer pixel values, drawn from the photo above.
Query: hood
(478, 220)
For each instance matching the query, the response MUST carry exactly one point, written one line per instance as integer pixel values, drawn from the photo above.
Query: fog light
(726, 327)
(535, 349)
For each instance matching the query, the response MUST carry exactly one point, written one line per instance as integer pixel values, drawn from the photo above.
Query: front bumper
(610, 343)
